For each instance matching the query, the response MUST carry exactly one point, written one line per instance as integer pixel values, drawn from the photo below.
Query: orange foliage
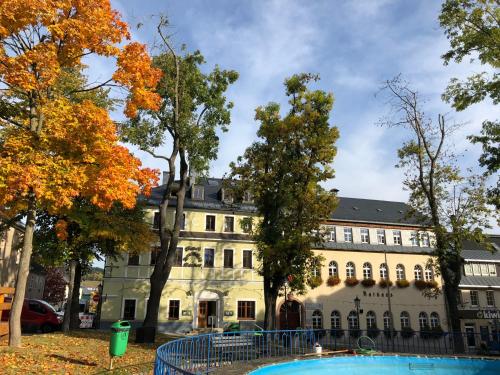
(62, 229)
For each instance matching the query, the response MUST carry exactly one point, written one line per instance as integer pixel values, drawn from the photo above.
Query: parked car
(39, 315)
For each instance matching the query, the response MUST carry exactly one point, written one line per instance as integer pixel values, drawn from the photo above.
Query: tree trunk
(67, 311)
(270, 297)
(74, 318)
(22, 275)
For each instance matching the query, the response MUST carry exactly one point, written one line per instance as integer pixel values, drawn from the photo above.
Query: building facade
(368, 244)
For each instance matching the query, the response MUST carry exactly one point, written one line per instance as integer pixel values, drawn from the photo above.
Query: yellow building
(215, 279)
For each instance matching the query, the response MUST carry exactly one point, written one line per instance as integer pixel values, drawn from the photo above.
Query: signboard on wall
(314, 306)
(479, 314)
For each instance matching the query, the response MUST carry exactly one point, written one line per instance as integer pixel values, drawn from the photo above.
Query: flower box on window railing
(420, 284)
(315, 281)
(387, 333)
(333, 280)
(432, 284)
(407, 332)
(373, 332)
(384, 283)
(355, 333)
(437, 332)
(403, 283)
(368, 283)
(335, 332)
(351, 281)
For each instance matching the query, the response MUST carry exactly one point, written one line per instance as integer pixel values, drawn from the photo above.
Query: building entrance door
(470, 334)
(207, 314)
(290, 315)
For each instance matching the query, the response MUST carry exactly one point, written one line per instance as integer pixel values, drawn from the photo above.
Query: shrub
(368, 283)
(387, 333)
(373, 332)
(384, 283)
(420, 284)
(315, 281)
(336, 333)
(437, 332)
(432, 284)
(407, 332)
(333, 280)
(402, 283)
(355, 332)
(351, 281)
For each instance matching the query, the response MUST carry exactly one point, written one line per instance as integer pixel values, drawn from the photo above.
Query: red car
(39, 315)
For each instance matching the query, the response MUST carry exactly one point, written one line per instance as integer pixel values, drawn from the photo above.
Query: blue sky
(353, 45)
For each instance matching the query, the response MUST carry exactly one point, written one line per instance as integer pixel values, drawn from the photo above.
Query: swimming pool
(383, 365)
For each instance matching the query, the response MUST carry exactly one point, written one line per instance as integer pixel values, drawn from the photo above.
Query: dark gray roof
(475, 251)
(348, 209)
(374, 248)
(480, 281)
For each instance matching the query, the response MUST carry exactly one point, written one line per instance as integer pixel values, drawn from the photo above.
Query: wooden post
(5, 306)
(111, 362)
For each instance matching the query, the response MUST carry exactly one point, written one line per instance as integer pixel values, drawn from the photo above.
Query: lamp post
(356, 304)
(286, 306)
(391, 320)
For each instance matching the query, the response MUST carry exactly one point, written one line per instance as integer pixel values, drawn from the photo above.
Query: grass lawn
(82, 352)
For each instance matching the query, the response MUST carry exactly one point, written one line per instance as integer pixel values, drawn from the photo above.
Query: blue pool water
(383, 365)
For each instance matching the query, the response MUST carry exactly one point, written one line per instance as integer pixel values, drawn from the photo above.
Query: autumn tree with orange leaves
(52, 148)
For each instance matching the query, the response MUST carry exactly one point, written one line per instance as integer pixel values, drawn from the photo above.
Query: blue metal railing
(203, 353)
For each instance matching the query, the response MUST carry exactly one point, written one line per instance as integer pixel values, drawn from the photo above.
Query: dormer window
(226, 195)
(247, 197)
(198, 192)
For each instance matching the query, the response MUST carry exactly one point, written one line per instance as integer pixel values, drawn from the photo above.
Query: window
(246, 310)
(133, 259)
(247, 259)
(228, 224)
(247, 197)
(428, 275)
(227, 195)
(468, 269)
(404, 319)
(381, 236)
(316, 271)
(154, 255)
(156, 220)
(333, 238)
(246, 225)
(228, 258)
(423, 321)
(474, 298)
(209, 258)
(435, 320)
(414, 239)
(37, 307)
(347, 234)
(400, 272)
(173, 309)
(367, 271)
(490, 298)
(371, 320)
(492, 270)
(210, 223)
(197, 192)
(335, 320)
(333, 269)
(387, 320)
(350, 270)
(418, 272)
(178, 257)
(365, 235)
(129, 309)
(317, 319)
(383, 271)
(396, 235)
(425, 240)
(476, 269)
(352, 320)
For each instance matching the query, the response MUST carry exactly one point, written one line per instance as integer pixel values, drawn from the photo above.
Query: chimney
(164, 178)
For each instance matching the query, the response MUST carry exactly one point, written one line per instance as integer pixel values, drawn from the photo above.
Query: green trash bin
(119, 338)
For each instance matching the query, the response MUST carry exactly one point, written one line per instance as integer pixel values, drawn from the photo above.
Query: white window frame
(243, 257)
(215, 223)
(404, 319)
(400, 272)
(333, 236)
(204, 252)
(434, 320)
(367, 271)
(234, 220)
(316, 317)
(255, 309)
(333, 268)
(350, 269)
(397, 237)
(420, 274)
(365, 237)
(352, 317)
(423, 320)
(414, 239)
(371, 319)
(474, 293)
(348, 235)
(387, 320)
(384, 272)
(381, 235)
(490, 298)
(180, 308)
(428, 273)
(223, 258)
(338, 318)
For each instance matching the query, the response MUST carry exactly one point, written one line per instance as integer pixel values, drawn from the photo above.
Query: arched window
(428, 275)
(383, 271)
(352, 320)
(367, 271)
(404, 319)
(350, 270)
(316, 271)
(333, 269)
(423, 321)
(371, 320)
(435, 320)
(335, 320)
(400, 272)
(317, 319)
(387, 320)
(418, 272)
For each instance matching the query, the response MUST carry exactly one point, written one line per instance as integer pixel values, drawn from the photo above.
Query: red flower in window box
(403, 283)
(384, 283)
(333, 280)
(351, 281)
(367, 283)
(420, 284)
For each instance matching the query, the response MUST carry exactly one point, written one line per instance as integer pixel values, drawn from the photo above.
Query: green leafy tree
(453, 205)
(283, 171)
(182, 133)
(473, 29)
